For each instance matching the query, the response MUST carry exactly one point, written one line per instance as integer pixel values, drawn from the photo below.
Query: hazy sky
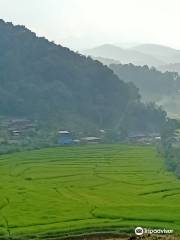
(86, 23)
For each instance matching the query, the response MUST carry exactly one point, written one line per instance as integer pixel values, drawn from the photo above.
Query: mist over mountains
(152, 68)
(161, 57)
(163, 53)
(123, 55)
(154, 86)
(172, 67)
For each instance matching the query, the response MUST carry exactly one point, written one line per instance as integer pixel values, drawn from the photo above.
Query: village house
(91, 140)
(65, 138)
(144, 138)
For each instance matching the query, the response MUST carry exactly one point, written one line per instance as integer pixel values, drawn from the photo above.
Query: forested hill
(162, 88)
(45, 81)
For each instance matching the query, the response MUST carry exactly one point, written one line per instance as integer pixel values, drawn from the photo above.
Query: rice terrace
(49, 193)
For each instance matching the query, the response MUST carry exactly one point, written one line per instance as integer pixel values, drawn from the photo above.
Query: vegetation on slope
(171, 67)
(170, 146)
(155, 86)
(44, 81)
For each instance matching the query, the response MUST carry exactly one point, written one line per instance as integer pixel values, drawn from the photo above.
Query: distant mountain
(106, 61)
(123, 55)
(154, 86)
(163, 53)
(47, 82)
(172, 67)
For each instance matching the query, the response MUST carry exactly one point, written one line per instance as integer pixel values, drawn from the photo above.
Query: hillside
(162, 57)
(123, 55)
(47, 82)
(106, 61)
(49, 193)
(155, 86)
(163, 53)
(172, 67)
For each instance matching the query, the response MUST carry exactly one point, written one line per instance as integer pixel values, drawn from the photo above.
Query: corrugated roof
(63, 132)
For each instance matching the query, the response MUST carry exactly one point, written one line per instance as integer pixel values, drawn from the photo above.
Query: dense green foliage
(170, 145)
(92, 188)
(47, 82)
(155, 86)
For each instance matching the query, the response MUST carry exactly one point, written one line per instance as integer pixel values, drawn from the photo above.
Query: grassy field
(90, 188)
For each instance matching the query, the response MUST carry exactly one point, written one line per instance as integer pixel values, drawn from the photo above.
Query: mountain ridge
(144, 54)
(124, 56)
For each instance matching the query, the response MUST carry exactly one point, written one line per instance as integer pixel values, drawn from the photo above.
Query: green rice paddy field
(47, 193)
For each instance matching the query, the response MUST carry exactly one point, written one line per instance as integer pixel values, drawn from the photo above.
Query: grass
(91, 188)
